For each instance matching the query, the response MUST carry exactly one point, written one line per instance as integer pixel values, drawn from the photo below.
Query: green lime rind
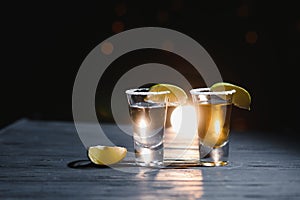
(241, 98)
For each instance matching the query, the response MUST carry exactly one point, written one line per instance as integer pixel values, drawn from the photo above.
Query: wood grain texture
(35, 156)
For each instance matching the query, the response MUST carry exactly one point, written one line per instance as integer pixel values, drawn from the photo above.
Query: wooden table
(41, 160)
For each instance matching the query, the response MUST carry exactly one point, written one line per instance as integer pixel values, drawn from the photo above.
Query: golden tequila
(213, 123)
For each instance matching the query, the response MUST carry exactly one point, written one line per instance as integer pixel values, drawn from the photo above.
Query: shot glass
(147, 111)
(213, 119)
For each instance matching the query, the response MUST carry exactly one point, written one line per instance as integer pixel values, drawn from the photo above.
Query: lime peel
(176, 95)
(241, 98)
(106, 155)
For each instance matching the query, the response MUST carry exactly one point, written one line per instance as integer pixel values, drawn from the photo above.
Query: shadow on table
(84, 164)
(87, 164)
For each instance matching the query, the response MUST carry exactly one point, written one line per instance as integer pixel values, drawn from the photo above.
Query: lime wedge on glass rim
(176, 95)
(106, 155)
(241, 98)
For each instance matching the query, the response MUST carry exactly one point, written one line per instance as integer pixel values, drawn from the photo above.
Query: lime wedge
(105, 155)
(176, 95)
(241, 98)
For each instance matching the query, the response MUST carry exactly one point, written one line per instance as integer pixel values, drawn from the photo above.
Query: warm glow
(107, 48)
(215, 156)
(186, 182)
(184, 119)
(142, 123)
(146, 155)
(202, 97)
(168, 45)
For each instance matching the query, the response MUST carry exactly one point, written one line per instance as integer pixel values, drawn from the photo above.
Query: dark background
(255, 44)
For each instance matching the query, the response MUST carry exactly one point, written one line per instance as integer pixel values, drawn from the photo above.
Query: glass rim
(133, 92)
(207, 91)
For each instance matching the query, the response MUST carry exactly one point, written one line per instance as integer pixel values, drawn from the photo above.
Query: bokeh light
(168, 45)
(107, 48)
(118, 27)
(184, 119)
(251, 37)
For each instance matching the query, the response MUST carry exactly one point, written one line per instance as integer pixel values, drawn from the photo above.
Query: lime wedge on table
(241, 98)
(176, 95)
(106, 155)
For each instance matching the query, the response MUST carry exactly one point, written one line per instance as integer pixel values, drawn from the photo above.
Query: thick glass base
(150, 164)
(214, 156)
(149, 157)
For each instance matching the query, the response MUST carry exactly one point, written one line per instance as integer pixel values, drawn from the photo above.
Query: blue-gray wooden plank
(35, 155)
